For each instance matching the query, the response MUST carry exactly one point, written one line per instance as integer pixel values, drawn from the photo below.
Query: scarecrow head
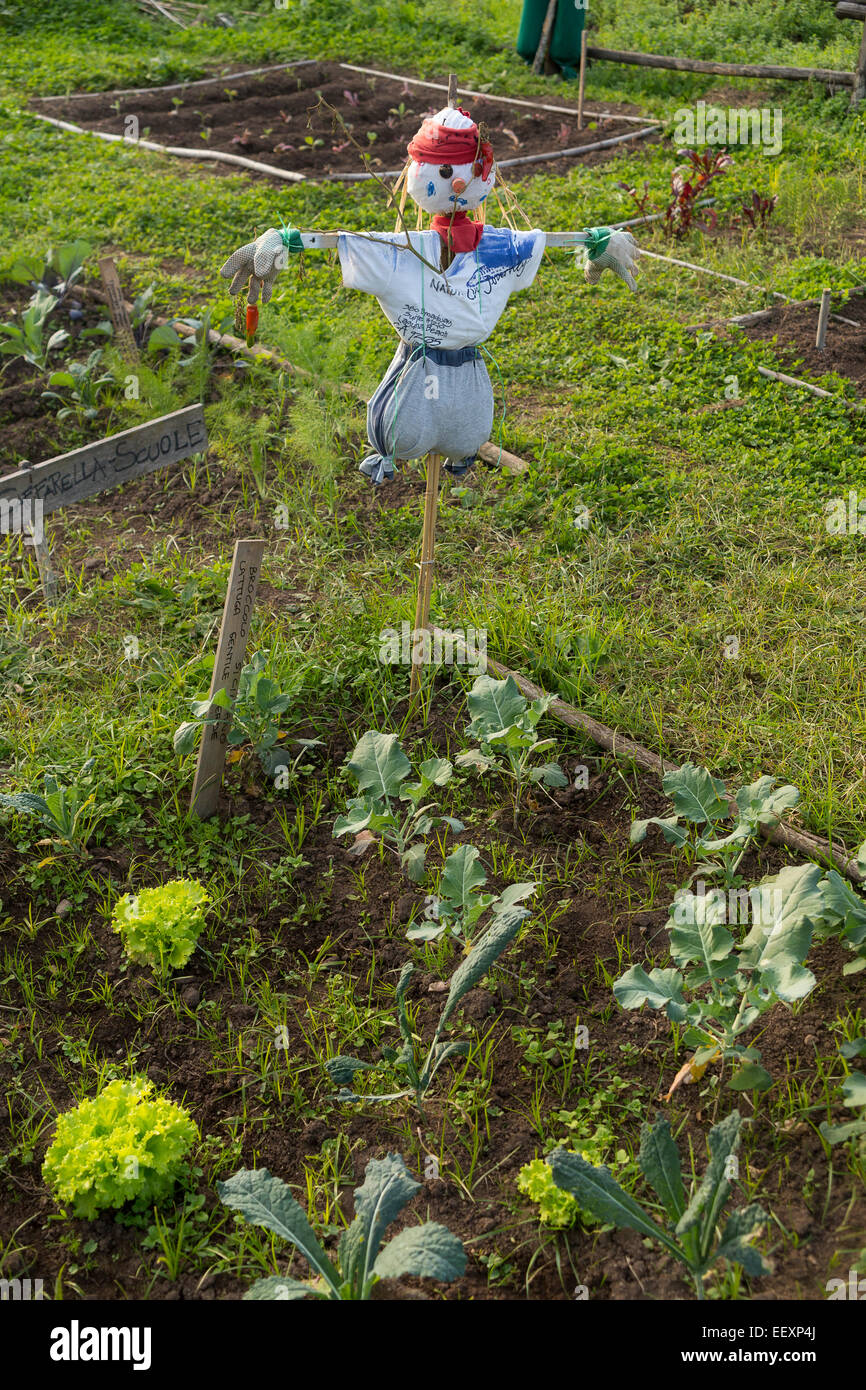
(451, 169)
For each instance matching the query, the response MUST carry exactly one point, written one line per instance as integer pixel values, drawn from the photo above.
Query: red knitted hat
(440, 144)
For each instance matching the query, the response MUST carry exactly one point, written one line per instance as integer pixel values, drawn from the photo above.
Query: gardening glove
(616, 251)
(261, 260)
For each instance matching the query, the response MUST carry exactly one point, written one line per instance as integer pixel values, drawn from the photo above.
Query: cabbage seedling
(380, 768)
(428, 1251)
(460, 901)
(504, 725)
(691, 1234)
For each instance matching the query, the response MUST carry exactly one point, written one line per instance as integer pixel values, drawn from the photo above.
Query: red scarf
(459, 235)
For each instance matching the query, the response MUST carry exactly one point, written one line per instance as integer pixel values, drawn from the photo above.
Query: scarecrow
(443, 290)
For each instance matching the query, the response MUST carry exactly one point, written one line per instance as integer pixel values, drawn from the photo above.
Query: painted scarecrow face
(451, 168)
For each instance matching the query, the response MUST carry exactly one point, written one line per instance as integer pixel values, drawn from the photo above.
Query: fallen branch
(657, 60)
(807, 386)
(801, 841)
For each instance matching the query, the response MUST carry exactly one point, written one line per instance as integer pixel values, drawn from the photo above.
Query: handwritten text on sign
(109, 462)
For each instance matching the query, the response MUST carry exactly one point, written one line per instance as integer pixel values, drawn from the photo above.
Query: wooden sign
(109, 462)
(123, 334)
(230, 656)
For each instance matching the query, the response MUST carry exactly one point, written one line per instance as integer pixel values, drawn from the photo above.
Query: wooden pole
(860, 73)
(823, 317)
(123, 334)
(582, 80)
(452, 89)
(228, 664)
(662, 60)
(39, 540)
(544, 41)
(428, 540)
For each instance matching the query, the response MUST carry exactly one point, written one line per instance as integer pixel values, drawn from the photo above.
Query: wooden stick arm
(327, 241)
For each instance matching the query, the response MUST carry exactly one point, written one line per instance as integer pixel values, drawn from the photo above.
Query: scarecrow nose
(458, 185)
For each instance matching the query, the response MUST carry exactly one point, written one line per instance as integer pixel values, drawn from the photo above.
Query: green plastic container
(565, 39)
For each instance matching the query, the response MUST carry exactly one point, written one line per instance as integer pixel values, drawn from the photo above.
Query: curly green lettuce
(160, 926)
(125, 1145)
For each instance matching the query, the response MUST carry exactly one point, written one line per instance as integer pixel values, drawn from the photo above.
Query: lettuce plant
(125, 1145)
(691, 1233)
(412, 1062)
(380, 768)
(701, 809)
(460, 901)
(504, 726)
(427, 1251)
(739, 980)
(160, 926)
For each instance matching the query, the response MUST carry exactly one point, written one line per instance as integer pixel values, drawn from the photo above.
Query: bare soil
(321, 119)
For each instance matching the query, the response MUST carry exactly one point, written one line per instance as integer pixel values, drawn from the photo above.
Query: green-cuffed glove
(261, 260)
(609, 250)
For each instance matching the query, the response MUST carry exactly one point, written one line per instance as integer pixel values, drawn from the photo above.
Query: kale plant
(412, 1063)
(691, 1234)
(428, 1251)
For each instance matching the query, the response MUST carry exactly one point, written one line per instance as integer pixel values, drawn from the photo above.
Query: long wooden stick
(659, 60)
(802, 841)
(544, 39)
(859, 91)
(428, 541)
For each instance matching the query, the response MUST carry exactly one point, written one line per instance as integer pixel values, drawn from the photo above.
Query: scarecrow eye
(446, 171)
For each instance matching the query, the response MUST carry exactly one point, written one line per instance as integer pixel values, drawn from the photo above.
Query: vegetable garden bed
(322, 119)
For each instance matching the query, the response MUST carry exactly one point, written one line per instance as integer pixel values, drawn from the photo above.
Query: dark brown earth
(824, 1217)
(793, 330)
(319, 119)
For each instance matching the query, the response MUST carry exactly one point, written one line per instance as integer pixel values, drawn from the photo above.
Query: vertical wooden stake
(229, 662)
(582, 79)
(123, 333)
(544, 40)
(39, 541)
(823, 318)
(859, 92)
(425, 580)
(452, 89)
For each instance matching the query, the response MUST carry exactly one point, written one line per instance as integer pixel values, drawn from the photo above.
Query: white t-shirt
(453, 308)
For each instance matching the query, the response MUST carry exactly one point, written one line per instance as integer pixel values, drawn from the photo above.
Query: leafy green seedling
(701, 800)
(69, 815)
(84, 386)
(27, 338)
(739, 980)
(160, 926)
(419, 1068)
(691, 1234)
(256, 712)
(428, 1251)
(844, 918)
(124, 1145)
(460, 901)
(853, 1096)
(504, 725)
(380, 768)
